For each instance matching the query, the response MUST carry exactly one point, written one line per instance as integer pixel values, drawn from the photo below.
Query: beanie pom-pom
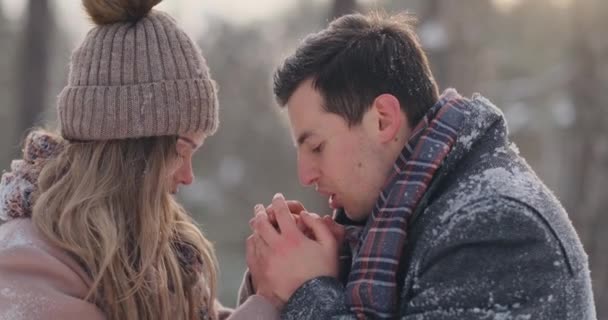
(114, 11)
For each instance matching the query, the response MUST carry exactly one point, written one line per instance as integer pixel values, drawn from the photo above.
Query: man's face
(343, 163)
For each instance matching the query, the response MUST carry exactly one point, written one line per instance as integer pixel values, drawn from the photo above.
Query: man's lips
(333, 200)
(333, 203)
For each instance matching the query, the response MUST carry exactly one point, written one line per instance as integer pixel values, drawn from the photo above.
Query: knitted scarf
(372, 252)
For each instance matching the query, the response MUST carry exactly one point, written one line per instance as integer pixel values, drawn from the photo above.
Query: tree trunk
(8, 95)
(34, 58)
(342, 7)
(468, 66)
(587, 199)
(453, 36)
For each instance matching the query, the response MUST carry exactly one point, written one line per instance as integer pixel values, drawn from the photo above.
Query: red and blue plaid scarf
(372, 283)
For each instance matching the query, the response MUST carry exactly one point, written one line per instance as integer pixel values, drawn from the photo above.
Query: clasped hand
(290, 246)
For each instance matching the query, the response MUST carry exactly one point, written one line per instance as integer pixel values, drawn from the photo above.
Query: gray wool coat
(488, 241)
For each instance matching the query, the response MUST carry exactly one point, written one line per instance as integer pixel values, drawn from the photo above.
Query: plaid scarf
(372, 283)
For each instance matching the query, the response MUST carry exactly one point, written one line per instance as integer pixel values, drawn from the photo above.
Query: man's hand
(336, 229)
(254, 265)
(295, 208)
(256, 269)
(261, 287)
(283, 259)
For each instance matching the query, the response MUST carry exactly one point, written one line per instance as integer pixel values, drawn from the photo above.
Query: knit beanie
(136, 74)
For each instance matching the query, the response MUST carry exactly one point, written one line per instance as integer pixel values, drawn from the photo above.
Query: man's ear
(390, 118)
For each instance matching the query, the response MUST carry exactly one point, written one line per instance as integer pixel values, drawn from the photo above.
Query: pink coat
(39, 281)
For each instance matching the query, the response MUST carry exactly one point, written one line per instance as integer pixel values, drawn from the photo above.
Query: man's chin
(355, 216)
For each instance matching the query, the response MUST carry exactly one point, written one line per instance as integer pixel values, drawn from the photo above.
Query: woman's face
(182, 173)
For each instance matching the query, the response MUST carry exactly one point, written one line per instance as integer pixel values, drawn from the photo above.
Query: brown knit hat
(136, 74)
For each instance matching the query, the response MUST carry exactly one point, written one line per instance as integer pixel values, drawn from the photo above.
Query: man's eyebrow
(303, 136)
(190, 142)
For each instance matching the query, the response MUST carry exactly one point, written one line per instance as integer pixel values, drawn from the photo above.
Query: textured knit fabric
(372, 282)
(487, 241)
(137, 79)
(19, 185)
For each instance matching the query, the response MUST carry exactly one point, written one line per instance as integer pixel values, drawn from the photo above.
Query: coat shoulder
(39, 281)
(499, 185)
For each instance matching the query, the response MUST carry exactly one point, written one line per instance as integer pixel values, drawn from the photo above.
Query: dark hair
(357, 58)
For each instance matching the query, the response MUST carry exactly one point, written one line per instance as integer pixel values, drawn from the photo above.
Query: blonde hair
(108, 204)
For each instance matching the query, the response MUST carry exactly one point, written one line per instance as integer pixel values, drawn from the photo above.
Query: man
(442, 218)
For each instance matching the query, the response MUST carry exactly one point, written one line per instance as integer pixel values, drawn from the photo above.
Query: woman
(92, 229)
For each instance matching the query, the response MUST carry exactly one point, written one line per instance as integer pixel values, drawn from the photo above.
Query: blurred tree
(589, 91)
(7, 88)
(532, 76)
(252, 155)
(34, 57)
(342, 7)
(456, 38)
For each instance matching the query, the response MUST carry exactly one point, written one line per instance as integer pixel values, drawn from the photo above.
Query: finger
(261, 247)
(295, 207)
(298, 219)
(320, 230)
(336, 229)
(253, 220)
(284, 219)
(314, 215)
(269, 213)
(250, 252)
(256, 256)
(303, 228)
(253, 259)
(263, 228)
